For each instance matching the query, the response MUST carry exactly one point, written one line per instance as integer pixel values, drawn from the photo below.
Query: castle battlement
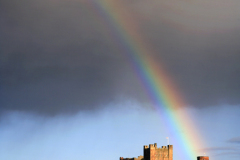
(146, 146)
(154, 146)
(151, 146)
(151, 152)
(134, 158)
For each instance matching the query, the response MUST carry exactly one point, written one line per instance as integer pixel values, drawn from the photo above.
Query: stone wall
(154, 153)
(151, 152)
(134, 158)
(202, 158)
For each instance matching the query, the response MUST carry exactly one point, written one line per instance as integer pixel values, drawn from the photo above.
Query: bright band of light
(157, 84)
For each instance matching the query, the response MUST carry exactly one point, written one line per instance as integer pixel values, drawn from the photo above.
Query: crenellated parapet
(154, 146)
(151, 152)
(154, 153)
(134, 158)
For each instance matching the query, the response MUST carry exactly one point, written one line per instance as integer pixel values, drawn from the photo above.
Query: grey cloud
(235, 154)
(200, 51)
(56, 56)
(234, 140)
(221, 151)
(61, 56)
(210, 149)
(199, 45)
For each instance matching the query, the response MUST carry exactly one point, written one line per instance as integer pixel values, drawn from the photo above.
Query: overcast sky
(61, 66)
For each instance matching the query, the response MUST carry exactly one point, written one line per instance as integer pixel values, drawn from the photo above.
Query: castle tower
(154, 153)
(151, 152)
(202, 158)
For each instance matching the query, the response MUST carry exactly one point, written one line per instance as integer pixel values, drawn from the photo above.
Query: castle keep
(151, 152)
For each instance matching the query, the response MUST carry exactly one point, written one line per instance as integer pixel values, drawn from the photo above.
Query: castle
(151, 152)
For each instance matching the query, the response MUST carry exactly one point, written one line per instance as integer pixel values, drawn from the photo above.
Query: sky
(68, 89)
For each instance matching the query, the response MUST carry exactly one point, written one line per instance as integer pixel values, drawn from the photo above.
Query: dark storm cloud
(198, 42)
(59, 55)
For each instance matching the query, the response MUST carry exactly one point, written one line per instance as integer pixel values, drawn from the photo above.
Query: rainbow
(157, 84)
